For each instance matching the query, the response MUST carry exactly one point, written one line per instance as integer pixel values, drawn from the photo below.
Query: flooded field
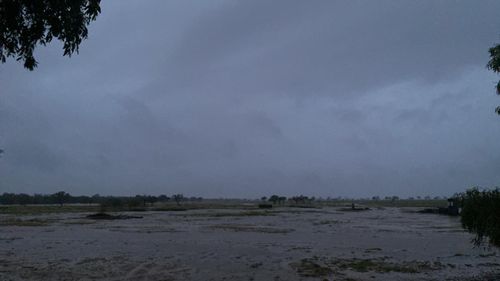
(240, 244)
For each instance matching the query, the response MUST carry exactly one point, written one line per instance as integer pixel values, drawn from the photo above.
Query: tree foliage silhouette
(26, 23)
(494, 65)
(481, 214)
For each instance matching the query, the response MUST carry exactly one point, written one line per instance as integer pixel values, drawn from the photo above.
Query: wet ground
(278, 244)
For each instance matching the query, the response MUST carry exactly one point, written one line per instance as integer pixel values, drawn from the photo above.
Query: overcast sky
(250, 98)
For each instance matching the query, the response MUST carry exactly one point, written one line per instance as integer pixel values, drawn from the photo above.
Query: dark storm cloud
(246, 98)
(344, 47)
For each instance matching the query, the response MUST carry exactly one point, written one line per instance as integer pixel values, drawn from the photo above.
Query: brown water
(285, 244)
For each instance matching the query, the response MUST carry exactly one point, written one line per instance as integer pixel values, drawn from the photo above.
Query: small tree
(142, 199)
(178, 198)
(163, 198)
(152, 199)
(299, 199)
(274, 199)
(61, 197)
(282, 200)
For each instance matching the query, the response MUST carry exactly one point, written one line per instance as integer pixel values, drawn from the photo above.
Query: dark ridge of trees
(481, 214)
(494, 65)
(62, 198)
(301, 199)
(281, 200)
(26, 23)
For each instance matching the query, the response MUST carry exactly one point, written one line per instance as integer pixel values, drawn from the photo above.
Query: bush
(112, 202)
(481, 214)
(265, 206)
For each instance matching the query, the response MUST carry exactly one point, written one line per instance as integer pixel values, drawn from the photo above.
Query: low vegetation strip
(322, 267)
(20, 222)
(230, 214)
(47, 209)
(252, 228)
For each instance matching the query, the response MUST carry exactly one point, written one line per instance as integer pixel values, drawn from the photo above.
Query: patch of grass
(46, 209)
(489, 264)
(19, 222)
(303, 248)
(371, 250)
(328, 222)
(293, 211)
(170, 209)
(232, 214)
(310, 268)
(357, 209)
(79, 222)
(382, 266)
(252, 228)
(305, 206)
(388, 203)
(486, 255)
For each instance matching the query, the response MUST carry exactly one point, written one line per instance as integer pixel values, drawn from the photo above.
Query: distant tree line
(301, 199)
(281, 200)
(62, 198)
(395, 198)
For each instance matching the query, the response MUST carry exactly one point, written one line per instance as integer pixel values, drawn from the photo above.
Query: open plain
(287, 243)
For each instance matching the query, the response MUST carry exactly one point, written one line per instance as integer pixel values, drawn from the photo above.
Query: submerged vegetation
(21, 222)
(321, 267)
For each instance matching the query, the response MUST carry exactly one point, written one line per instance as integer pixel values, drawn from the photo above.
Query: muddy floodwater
(278, 244)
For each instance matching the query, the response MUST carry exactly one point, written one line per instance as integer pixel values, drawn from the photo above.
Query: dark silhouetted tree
(163, 198)
(26, 23)
(300, 199)
(61, 197)
(282, 200)
(178, 198)
(274, 199)
(481, 214)
(24, 199)
(151, 199)
(142, 198)
(494, 65)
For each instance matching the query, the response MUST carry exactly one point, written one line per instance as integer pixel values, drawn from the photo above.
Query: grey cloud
(330, 48)
(243, 99)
